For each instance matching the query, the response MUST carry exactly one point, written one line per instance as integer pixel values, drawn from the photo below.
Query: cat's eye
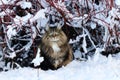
(53, 33)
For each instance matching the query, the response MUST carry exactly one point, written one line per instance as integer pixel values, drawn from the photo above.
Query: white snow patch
(7, 2)
(24, 4)
(3, 2)
(37, 59)
(22, 20)
(97, 55)
(2, 13)
(40, 18)
(11, 55)
(93, 25)
(11, 31)
(39, 15)
(34, 32)
(77, 54)
(117, 2)
(44, 3)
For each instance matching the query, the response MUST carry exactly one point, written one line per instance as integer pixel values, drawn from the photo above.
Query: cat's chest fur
(55, 47)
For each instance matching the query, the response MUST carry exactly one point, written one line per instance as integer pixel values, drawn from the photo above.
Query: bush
(89, 24)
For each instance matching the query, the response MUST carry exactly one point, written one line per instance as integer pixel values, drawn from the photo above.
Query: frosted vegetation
(92, 27)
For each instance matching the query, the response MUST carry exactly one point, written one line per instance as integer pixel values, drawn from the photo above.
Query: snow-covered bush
(89, 25)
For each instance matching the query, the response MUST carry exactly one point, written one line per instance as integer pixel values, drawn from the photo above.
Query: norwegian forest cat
(55, 49)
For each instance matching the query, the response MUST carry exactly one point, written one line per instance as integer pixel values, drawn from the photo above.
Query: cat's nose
(54, 35)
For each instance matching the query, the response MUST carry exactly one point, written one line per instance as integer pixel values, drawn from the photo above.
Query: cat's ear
(59, 26)
(47, 27)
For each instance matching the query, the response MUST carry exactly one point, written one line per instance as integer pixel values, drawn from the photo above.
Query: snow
(93, 25)
(12, 55)
(97, 54)
(117, 2)
(37, 60)
(24, 4)
(44, 3)
(34, 32)
(101, 69)
(6, 2)
(39, 14)
(22, 20)
(97, 67)
(77, 38)
(40, 18)
(3, 13)
(11, 31)
(3, 1)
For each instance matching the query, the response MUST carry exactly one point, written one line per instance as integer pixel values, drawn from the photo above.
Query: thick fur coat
(55, 49)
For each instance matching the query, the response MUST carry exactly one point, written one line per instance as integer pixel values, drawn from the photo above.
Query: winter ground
(96, 68)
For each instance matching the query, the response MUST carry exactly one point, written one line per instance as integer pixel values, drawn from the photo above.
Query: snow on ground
(117, 2)
(100, 68)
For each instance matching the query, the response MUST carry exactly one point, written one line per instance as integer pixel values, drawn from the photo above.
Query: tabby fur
(55, 49)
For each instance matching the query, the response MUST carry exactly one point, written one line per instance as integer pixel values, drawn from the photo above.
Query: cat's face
(54, 34)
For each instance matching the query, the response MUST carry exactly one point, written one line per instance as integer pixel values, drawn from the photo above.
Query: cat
(55, 49)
